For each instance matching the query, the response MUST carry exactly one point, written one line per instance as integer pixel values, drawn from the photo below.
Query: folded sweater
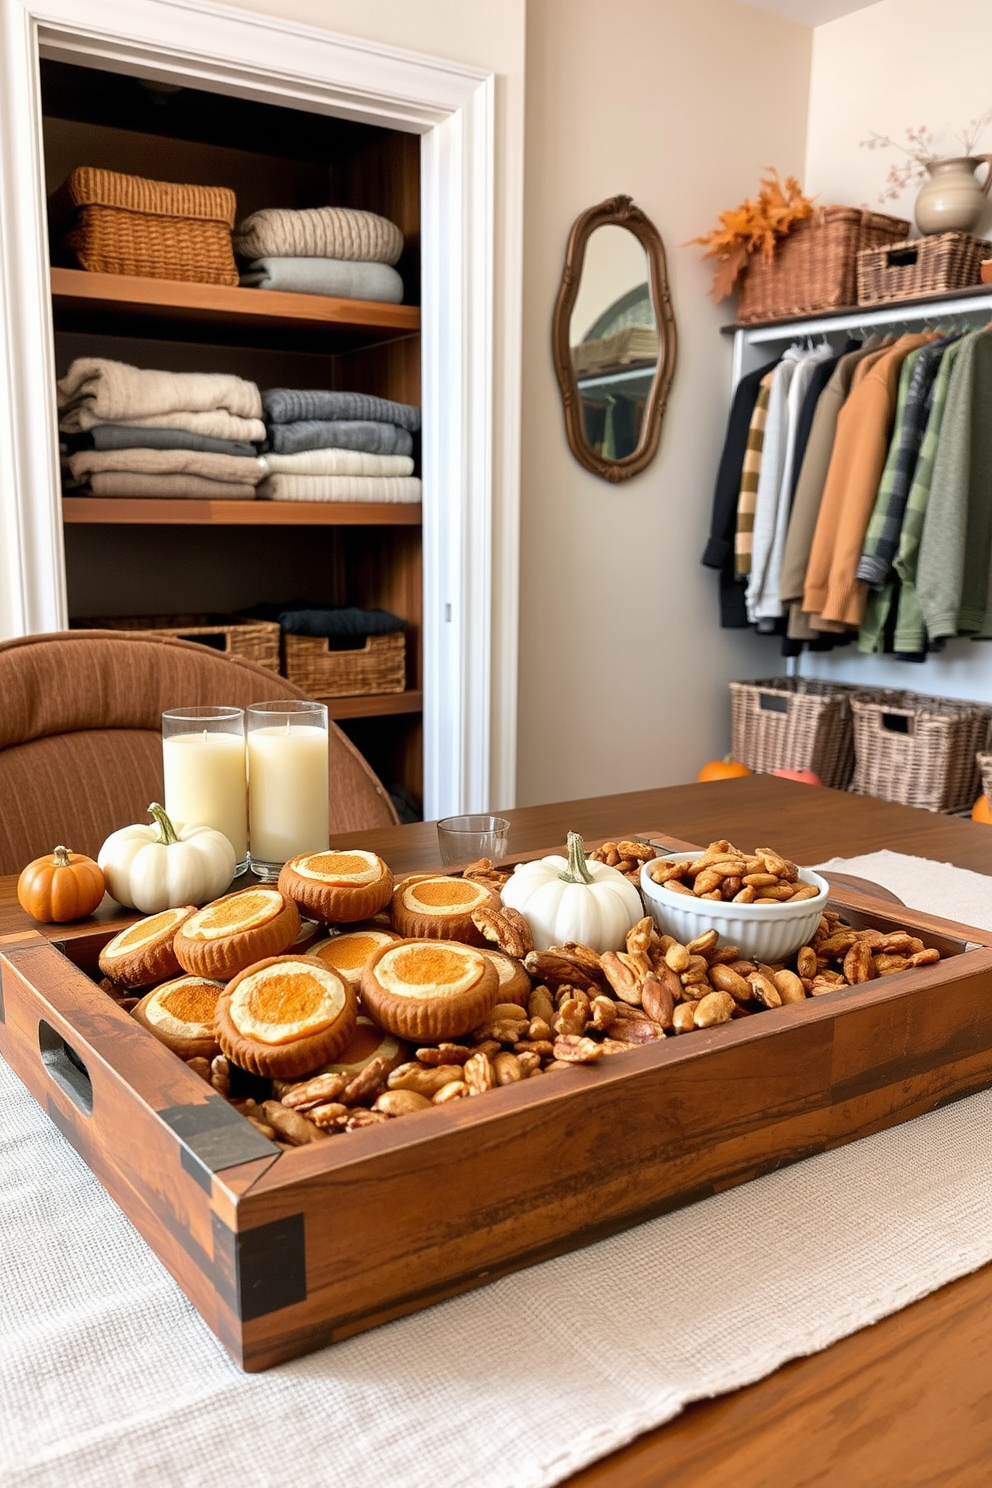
(340, 277)
(337, 462)
(341, 488)
(86, 463)
(197, 487)
(121, 436)
(97, 390)
(293, 405)
(313, 434)
(319, 232)
(215, 424)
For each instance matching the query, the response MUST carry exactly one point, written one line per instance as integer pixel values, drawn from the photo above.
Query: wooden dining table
(907, 1401)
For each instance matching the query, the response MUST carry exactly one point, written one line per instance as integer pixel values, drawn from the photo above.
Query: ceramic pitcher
(952, 200)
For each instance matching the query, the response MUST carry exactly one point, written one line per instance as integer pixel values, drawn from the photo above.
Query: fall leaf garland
(754, 226)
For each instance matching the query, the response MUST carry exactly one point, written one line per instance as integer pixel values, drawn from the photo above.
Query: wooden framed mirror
(613, 339)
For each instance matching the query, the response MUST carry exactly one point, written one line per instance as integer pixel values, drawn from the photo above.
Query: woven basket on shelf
(814, 266)
(791, 723)
(117, 224)
(920, 266)
(248, 640)
(984, 762)
(377, 666)
(918, 750)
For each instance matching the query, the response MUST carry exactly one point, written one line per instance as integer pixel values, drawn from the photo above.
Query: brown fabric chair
(80, 736)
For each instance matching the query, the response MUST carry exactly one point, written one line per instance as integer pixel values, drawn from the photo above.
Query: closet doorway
(259, 59)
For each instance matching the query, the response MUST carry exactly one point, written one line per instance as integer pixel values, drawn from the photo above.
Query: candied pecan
(541, 1047)
(479, 1074)
(453, 1090)
(312, 1092)
(529, 1062)
(806, 961)
(366, 1083)
(445, 1054)
(858, 964)
(540, 1004)
(569, 1049)
(289, 1125)
(664, 871)
(622, 977)
(422, 1078)
(642, 936)
(358, 1119)
(329, 1114)
(571, 1017)
(886, 964)
(926, 957)
(636, 1030)
(554, 969)
(602, 1011)
(506, 928)
(540, 1028)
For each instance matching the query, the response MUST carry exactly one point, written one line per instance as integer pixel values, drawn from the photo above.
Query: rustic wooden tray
(284, 1251)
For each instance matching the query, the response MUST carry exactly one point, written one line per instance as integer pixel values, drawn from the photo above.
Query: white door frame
(261, 57)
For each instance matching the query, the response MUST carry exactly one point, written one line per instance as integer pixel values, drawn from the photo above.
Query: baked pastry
(285, 1016)
(144, 954)
(514, 978)
(181, 1013)
(435, 906)
(337, 887)
(368, 1042)
(348, 953)
(309, 932)
(224, 937)
(429, 990)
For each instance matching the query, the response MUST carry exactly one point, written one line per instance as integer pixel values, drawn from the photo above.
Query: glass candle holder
(203, 759)
(464, 839)
(287, 782)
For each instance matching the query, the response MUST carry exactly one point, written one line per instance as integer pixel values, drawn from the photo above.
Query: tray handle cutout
(65, 1067)
(901, 258)
(773, 702)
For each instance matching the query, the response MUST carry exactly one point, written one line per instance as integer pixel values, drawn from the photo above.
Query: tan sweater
(864, 427)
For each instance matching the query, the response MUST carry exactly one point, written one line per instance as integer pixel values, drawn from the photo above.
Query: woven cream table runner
(108, 1379)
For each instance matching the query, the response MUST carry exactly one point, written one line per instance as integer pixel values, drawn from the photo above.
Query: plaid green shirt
(750, 471)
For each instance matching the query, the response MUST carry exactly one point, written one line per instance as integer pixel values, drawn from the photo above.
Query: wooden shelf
(974, 298)
(374, 705)
(121, 304)
(146, 511)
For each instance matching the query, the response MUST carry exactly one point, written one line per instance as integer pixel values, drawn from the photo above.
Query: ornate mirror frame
(617, 211)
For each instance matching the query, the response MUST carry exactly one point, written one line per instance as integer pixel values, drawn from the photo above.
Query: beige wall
(623, 667)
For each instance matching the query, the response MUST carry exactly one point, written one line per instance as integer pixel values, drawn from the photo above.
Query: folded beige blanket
(129, 483)
(319, 232)
(242, 470)
(341, 488)
(97, 390)
(337, 462)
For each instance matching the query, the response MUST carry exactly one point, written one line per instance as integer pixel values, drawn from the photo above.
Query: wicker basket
(378, 666)
(920, 266)
(116, 224)
(792, 723)
(248, 640)
(984, 762)
(920, 751)
(814, 266)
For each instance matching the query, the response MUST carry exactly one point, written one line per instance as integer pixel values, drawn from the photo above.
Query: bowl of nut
(760, 901)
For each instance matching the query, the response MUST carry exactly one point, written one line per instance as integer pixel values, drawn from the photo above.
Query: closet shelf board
(889, 310)
(147, 511)
(82, 300)
(375, 705)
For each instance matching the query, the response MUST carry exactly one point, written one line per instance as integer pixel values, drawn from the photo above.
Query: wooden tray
(283, 1252)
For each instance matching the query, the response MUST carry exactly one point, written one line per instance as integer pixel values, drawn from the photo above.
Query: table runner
(108, 1378)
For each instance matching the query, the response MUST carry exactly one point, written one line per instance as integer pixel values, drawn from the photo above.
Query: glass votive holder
(463, 839)
(287, 782)
(203, 760)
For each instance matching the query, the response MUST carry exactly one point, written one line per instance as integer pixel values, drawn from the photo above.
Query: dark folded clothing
(118, 436)
(342, 622)
(374, 438)
(292, 405)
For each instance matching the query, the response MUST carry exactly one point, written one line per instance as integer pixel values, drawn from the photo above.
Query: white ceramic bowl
(764, 932)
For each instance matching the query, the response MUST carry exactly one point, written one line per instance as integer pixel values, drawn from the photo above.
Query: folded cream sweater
(97, 390)
(341, 488)
(318, 232)
(240, 469)
(336, 462)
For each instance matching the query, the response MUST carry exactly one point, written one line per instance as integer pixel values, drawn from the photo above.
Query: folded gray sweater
(121, 437)
(339, 277)
(291, 405)
(310, 434)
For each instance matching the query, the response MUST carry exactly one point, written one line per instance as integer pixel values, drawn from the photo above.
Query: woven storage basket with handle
(985, 767)
(791, 723)
(117, 224)
(921, 266)
(249, 640)
(814, 266)
(919, 751)
(377, 666)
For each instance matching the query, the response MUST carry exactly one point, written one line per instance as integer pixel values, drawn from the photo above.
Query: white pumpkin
(569, 898)
(155, 865)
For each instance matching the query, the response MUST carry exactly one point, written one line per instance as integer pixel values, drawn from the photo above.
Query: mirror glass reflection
(614, 341)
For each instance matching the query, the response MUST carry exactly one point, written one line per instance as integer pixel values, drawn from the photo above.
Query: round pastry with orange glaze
(429, 990)
(349, 952)
(368, 1042)
(338, 886)
(181, 1015)
(144, 953)
(434, 906)
(224, 937)
(514, 978)
(285, 1016)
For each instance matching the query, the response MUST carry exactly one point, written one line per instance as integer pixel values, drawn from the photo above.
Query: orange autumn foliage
(753, 227)
(982, 810)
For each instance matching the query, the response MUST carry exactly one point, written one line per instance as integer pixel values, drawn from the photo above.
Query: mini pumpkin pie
(224, 937)
(514, 979)
(336, 886)
(309, 932)
(434, 906)
(144, 953)
(368, 1042)
(429, 990)
(285, 1016)
(348, 953)
(181, 1015)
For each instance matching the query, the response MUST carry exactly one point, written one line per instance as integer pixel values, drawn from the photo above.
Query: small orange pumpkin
(982, 810)
(725, 769)
(63, 886)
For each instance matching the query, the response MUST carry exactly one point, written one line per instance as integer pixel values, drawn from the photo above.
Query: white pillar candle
(287, 791)
(205, 782)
